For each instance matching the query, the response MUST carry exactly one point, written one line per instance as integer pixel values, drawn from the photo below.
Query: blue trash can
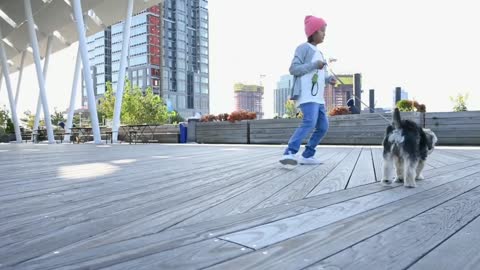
(183, 133)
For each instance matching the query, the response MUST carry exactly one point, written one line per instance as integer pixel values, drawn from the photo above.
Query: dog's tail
(396, 118)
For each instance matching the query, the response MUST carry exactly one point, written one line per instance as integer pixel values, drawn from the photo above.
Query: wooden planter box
(153, 134)
(365, 129)
(455, 128)
(222, 132)
(462, 128)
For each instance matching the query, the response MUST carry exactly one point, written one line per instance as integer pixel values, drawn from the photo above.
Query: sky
(426, 47)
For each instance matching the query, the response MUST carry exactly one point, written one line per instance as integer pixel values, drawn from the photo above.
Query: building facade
(281, 94)
(338, 95)
(168, 52)
(249, 98)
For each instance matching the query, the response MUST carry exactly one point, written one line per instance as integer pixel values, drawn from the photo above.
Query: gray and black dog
(407, 145)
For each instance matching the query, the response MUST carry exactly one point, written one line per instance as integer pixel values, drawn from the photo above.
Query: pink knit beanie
(313, 24)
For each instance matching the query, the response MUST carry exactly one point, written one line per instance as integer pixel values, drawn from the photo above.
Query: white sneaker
(289, 159)
(309, 161)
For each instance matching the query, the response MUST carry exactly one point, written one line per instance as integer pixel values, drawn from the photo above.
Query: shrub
(341, 110)
(208, 118)
(223, 117)
(242, 115)
(406, 105)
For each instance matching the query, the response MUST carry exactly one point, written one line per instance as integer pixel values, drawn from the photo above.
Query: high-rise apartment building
(249, 98)
(169, 52)
(281, 94)
(339, 94)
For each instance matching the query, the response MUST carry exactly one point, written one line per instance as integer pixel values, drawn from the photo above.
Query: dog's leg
(420, 166)
(410, 173)
(387, 169)
(399, 165)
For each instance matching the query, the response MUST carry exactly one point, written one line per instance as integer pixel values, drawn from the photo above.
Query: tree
(4, 115)
(460, 102)
(290, 109)
(76, 120)
(57, 117)
(137, 108)
(107, 102)
(29, 120)
(10, 128)
(152, 109)
(174, 117)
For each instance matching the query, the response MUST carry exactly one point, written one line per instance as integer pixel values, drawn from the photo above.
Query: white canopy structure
(33, 29)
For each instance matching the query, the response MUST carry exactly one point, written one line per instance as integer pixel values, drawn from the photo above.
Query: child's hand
(332, 80)
(320, 64)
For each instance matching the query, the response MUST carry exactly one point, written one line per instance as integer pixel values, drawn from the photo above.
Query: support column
(398, 95)
(82, 43)
(38, 67)
(38, 111)
(13, 108)
(357, 91)
(20, 73)
(372, 101)
(121, 74)
(1, 79)
(73, 95)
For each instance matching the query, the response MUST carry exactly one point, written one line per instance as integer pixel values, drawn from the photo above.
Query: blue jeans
(314, 116)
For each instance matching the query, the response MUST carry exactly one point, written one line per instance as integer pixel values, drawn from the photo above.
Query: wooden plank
(364, 172)
(306, 249)
(200, 254)
(275, 232)
(279, 179)
(194, 256)
(432, 161)
(472, 153)
(409, 240)
(92, 248)
(73, 216)
(122, 225)
(304, 185)
(91, 252)
(447, 158)
(337, 179)
(130, 170)
(452, 114)
(105, 205)
(458, 140)
(461, 251)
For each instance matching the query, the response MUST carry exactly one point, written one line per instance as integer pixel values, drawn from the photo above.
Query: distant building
(169, 52)
(249, 98)
(281, 94)
(339, 94)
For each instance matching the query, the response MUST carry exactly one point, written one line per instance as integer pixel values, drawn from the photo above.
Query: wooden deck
(232, 207)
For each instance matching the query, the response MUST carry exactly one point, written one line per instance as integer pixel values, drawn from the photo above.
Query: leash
(341, 82)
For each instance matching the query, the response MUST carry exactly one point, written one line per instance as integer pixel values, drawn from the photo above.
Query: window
(138, 60)
(181, 85)
(181, 102)
(180, 75)
(181, 64)
(204, 88)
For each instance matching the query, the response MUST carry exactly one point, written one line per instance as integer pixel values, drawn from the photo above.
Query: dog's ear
(396, 120)
(431, 138)
(389, 130)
